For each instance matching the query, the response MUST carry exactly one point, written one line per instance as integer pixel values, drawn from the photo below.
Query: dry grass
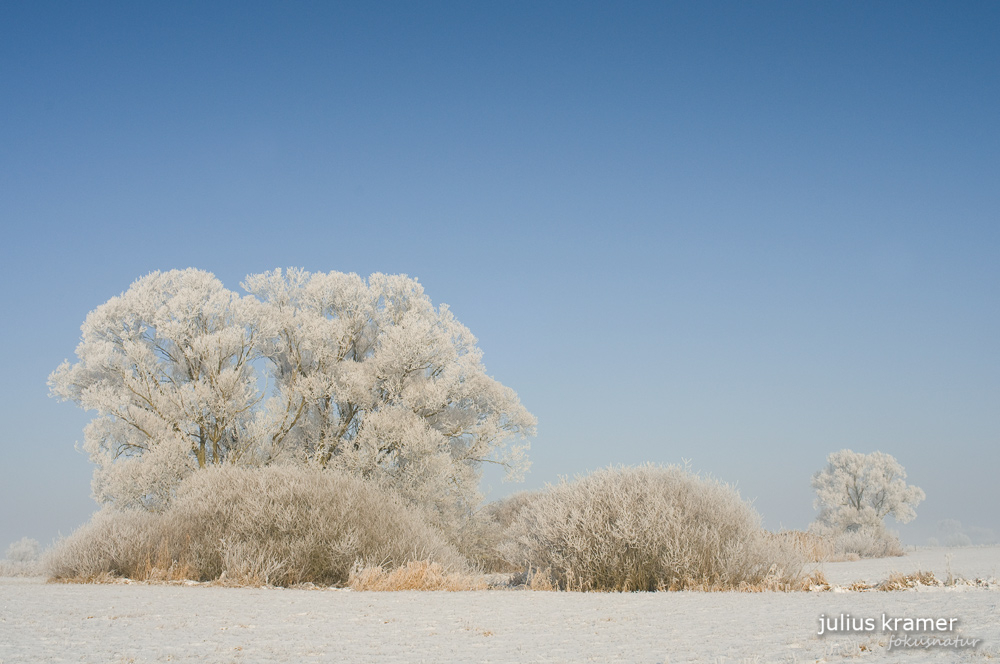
(542, 579)
(415, 575)
(816, 582)
(776, 582)
(897, 581)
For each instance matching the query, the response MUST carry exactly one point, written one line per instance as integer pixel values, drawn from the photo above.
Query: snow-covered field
(42, 622)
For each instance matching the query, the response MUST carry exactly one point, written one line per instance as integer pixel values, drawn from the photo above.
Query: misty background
(741, 234)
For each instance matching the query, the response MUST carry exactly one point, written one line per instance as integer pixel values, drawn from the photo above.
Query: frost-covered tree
(372, 379)
(168, 366)
(363, 376)
(25, 550)
(859, 490)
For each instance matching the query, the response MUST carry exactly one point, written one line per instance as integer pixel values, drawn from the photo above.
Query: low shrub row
(619, 529)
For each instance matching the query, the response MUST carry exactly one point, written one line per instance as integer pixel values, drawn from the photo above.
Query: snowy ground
(971, 563)
(159, 623)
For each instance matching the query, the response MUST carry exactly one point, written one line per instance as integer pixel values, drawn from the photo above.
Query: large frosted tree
(167, 366)
(383, 385)
(310, 368)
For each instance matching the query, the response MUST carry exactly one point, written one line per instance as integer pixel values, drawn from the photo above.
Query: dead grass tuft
(415, 575)
(897, 581)
(542, 580)
(778, 581)
(816, 582)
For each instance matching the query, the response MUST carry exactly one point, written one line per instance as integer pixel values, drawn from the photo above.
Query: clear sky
(742, 234)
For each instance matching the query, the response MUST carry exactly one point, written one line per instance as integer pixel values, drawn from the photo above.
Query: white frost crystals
(316, 369)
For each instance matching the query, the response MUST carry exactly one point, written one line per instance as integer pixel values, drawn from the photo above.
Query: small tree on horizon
(857, 490)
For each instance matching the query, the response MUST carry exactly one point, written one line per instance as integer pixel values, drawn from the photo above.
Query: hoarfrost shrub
(113, 543)
(275, 525)
(869, 541)
(481, 536)
(814, 547)
(318, 523)
(648, 528)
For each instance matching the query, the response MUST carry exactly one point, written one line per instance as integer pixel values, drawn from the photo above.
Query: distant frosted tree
(311, 368)
(25, 550)
(859, 490)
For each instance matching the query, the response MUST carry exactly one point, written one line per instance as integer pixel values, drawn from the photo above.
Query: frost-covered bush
(316, 524)
(275, 525)
(113, 543)
(648, 528)
(868, 541)
(813, 547)
(481, 537)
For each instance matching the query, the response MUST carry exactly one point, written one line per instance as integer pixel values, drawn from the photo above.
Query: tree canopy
(858, 490)
(322, 369)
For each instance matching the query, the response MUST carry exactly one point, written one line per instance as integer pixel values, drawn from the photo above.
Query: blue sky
(743, 234)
